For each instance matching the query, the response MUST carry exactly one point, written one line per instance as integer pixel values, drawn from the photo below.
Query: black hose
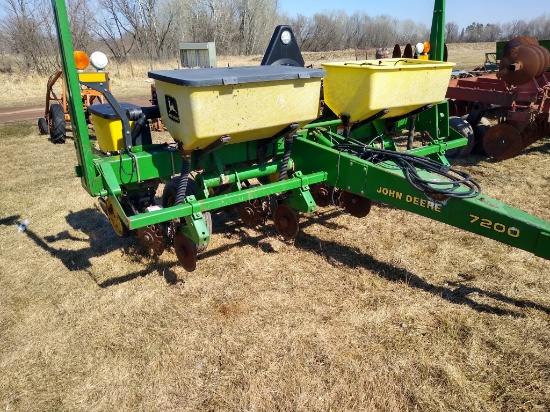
(138, 125)
(182, 187)
(410, 164)
(286, 158)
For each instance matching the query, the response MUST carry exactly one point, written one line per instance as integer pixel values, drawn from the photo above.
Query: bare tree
(451, 32)
(517, 28)
(28, 27)
(256, 22)
(540, 27)
(492, 32)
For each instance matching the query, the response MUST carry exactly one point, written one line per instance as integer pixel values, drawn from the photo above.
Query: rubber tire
(43, 126)
(479, 131)
(169, 197)
(58, 131)
(463, 127)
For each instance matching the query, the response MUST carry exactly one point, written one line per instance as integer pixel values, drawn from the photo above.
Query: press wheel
(186, 252)
(286, 222)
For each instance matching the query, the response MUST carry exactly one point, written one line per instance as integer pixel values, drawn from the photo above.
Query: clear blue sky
(463, 12)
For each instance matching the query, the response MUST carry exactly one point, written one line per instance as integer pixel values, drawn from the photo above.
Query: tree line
(152, 29)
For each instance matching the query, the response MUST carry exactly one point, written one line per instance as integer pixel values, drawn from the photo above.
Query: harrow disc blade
(186, 251)
(516, 42)
(355, 205)
(546, 57)
(502, 141)
(541, 56)
(521, 65)
(286, 222)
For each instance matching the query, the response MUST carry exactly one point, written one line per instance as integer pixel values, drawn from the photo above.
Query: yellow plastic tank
(108, 126)
(198, 106)
(362, 88)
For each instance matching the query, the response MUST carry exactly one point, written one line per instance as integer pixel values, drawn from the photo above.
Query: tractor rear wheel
(463, 127)
(43, 126)
(58, 132)
(169, 199)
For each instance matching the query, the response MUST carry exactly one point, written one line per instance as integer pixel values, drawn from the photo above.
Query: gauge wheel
(58, 132)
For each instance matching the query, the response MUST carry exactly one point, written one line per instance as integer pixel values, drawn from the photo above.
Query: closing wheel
(58, 132)
(43, 126)
(186, 251)
(463, 127)
(322, 194)
(286, 222)
(356, 205)
(117, 224)
(152, 238)
(169, 199)
(502, 141)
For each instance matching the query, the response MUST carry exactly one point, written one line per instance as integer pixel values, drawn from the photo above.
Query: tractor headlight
(286, 37)
(419, 48)
(99, 60)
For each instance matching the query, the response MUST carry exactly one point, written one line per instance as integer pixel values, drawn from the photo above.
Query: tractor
(56, 113)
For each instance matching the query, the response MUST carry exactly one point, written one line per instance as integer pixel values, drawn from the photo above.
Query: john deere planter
(254, 138)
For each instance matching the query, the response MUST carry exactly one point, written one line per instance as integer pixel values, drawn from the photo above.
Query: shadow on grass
(336, 253)
(99, 239)
(453, 292)
(10, 220)
(102, 240)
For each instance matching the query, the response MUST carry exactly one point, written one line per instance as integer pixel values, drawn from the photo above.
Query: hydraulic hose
(454, 183)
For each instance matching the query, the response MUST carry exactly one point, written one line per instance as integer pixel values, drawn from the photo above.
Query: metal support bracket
(302, 198)
(195, 227)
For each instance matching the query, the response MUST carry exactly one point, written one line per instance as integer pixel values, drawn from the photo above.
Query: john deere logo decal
(172, 108)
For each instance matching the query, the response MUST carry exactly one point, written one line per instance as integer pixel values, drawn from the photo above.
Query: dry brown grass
(389, 313)
(131, 79)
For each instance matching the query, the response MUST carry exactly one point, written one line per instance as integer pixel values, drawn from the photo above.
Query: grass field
(393, 312)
